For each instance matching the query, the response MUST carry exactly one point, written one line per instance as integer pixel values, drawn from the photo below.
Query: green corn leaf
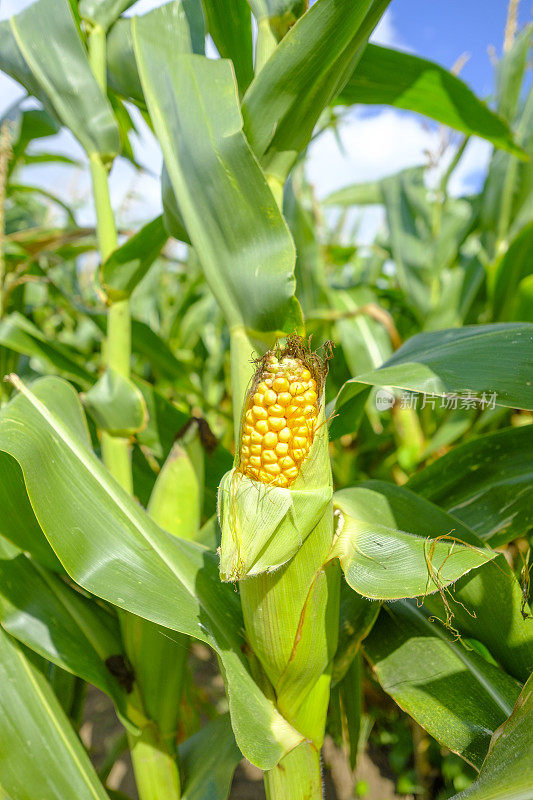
(115, 551)
(268, 9)
(116, 405)
(390, 77)
(122, 73)
(175, 503)
(351, 699)
(510, 74)
(45, 757)
(358, 194)
(19, 334)
(512, 270)
(62, 72)
(164, 421)
(230, 26)
(452, 692)
(488, 605)
(307, 69)
(506, 771)
(235, 226)
(171, 214)
(63, 626)
(128, 265)
(487, 483)
(208, 760)
(357, 616)
(103, 12)
(17, 521)
(157, 352)
(389, 542)
(452, 362)
(34, 123)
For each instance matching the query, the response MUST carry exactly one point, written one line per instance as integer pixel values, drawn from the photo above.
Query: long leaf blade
(114, 548)
(390, 77)
(44, 758)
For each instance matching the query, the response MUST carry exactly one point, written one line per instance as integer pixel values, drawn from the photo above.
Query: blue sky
(444, 29)
(376, 142)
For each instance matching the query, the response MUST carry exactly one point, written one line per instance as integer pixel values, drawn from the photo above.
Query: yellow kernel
(305, 375)
(296, 454)
(284, 435)
(246, 439)
(262, 387)
(286, 462)
(264, 476)
(269, 457)
(309, 411)
(296, 388)
(291, 473)
(272, 469)
(310, 396)
(255, 449)
(281, 385)
(245, 450)
(290, 411)
(282, 448)
(249, 417)
(268, 382)
(312, 384)
(258, 399)
(270, 397)
(299, 442)
(276, 410)
(296, 422)
(282, 481)
(261, 426)
(284, 399)
(256, 437)
(276, 423)
(299, 400)
(255, 461)
(301, 431)
(270, 439)
(247, 429)
(259, 412)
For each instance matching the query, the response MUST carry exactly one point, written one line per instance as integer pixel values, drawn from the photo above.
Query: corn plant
(113, 559)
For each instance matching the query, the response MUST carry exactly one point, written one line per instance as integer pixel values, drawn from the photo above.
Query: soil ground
(101, 728)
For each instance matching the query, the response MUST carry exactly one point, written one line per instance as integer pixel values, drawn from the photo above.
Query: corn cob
(281, 482)
(279, 422)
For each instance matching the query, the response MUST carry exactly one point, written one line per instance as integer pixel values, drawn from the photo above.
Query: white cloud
(386, 33)
(375, 144)
(10, 7)
(380, 143)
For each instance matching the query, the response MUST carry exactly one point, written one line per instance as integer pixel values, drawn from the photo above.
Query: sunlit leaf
(114, 548)
(62, 72)
(454, 693)
(390, 77)
(45, 757)
(393, 544)
(487, 483)
(506, 771)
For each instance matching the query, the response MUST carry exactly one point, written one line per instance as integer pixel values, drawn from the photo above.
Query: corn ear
(277, 540)
(265, 516)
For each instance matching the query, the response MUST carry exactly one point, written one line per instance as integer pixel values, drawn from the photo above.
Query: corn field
(235, 436)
